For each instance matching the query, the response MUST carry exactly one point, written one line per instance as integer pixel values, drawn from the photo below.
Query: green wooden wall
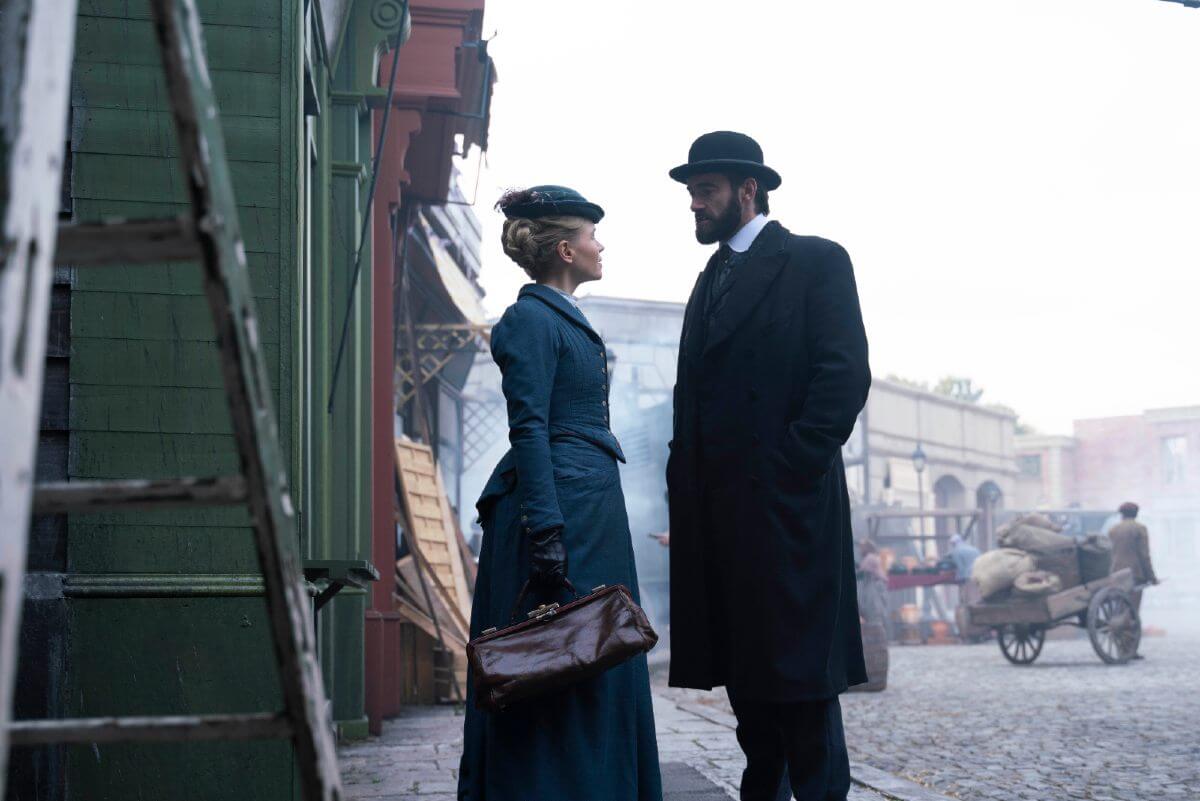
(164, 610)
(165, 613)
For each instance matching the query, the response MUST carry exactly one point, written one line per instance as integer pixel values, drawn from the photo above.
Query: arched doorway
(948, 493)
(990, 499)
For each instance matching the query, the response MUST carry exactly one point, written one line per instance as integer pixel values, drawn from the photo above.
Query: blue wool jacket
(556, 384)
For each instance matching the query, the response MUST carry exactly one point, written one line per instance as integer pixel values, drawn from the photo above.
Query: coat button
(756, 439)
(524, 518)
(604, 403)
(752, 393)
(754, 480)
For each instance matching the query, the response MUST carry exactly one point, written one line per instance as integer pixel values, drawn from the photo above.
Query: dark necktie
(726, 260)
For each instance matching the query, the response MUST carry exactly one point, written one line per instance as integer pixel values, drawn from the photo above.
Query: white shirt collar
(744, 238)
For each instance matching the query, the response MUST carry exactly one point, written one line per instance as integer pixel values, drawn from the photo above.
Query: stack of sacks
(996, 571)
(1053, 552)
(1095, 557)
(1036, 584)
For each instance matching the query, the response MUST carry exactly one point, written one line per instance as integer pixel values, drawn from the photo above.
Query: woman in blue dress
(553, 509)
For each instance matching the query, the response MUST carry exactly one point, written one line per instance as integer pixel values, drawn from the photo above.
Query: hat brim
(769, 179)
(562, 208)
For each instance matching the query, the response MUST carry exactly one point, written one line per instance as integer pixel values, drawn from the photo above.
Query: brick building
(1148, 458)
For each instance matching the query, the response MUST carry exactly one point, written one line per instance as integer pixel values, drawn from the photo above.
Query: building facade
(162, 612)
(969, 459)
(1149, 459)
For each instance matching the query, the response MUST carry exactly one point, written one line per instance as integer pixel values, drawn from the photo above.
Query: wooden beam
(170, 728)
(35, 81)
(422, 621)
(97, 496)
(127, 242)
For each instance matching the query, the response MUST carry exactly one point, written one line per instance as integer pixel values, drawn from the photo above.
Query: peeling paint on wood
(36, 41)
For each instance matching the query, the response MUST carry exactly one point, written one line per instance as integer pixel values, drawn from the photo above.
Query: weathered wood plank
(122, 315)
(260, 224)
(212, 12)
(170, 549)
(122, 454)
(1011, 612)
(214, 518)
(169, 278)
(152, 180)
(132, 86)
(58, 331)
(166, 410)
(135, 241)
(138, 364)
(55, 403)
(34, 82)
(90, 496)
(117, 40)
(165, 729)
(132, 132)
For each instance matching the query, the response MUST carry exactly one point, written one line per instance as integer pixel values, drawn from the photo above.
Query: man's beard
(723, 227)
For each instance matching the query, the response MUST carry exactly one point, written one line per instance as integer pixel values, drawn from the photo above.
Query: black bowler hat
(727, 150)
(549, 200)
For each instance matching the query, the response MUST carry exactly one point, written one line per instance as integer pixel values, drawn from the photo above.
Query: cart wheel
(1114, 626)
(1021, 643)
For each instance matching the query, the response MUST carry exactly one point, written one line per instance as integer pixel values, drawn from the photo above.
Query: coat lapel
(561, 305)
(692, 339)
(752, 280)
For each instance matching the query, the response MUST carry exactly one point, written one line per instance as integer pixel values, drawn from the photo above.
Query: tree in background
(959, 388)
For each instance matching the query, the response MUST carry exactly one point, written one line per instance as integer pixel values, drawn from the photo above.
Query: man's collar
(744, 238)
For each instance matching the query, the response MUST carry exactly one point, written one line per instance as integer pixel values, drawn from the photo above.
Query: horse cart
(1104, 607)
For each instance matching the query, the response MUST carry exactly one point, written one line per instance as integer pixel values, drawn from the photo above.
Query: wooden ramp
(434, 528)
(434, 583)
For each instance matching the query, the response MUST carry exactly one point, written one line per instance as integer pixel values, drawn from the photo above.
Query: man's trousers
(803, 740)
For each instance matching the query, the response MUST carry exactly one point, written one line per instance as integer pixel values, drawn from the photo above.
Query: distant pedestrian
(963, 554)
(872, 584)
(1131, 549)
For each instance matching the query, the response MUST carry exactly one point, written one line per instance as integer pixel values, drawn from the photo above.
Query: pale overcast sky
(1018, 182)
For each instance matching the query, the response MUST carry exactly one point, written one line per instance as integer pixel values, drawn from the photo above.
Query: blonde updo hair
(532, 243)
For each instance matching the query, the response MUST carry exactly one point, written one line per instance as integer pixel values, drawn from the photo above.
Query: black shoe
(1137, 656)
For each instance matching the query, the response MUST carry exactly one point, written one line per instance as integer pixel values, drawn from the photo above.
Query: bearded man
(772, 375)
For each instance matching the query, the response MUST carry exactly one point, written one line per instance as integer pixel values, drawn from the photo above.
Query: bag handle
(525, 591)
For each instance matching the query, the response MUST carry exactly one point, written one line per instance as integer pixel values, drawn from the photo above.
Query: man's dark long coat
(768, 391)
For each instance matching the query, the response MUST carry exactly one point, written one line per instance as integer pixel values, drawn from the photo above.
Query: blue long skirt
(594, 741)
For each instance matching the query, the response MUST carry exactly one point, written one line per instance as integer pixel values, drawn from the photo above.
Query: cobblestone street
(958, 720)
(963, 721)
(416, 759)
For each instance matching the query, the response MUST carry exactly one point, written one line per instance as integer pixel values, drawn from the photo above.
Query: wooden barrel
(875, 652)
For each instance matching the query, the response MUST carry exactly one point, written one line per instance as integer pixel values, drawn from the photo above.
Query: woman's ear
(565, 252)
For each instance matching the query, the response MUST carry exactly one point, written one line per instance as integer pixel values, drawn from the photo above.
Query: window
(1174, 459)
(1030, 465)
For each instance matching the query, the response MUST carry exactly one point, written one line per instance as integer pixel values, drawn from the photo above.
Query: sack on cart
(995, 571)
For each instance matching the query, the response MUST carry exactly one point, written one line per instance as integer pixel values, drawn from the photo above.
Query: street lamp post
(919, 461)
